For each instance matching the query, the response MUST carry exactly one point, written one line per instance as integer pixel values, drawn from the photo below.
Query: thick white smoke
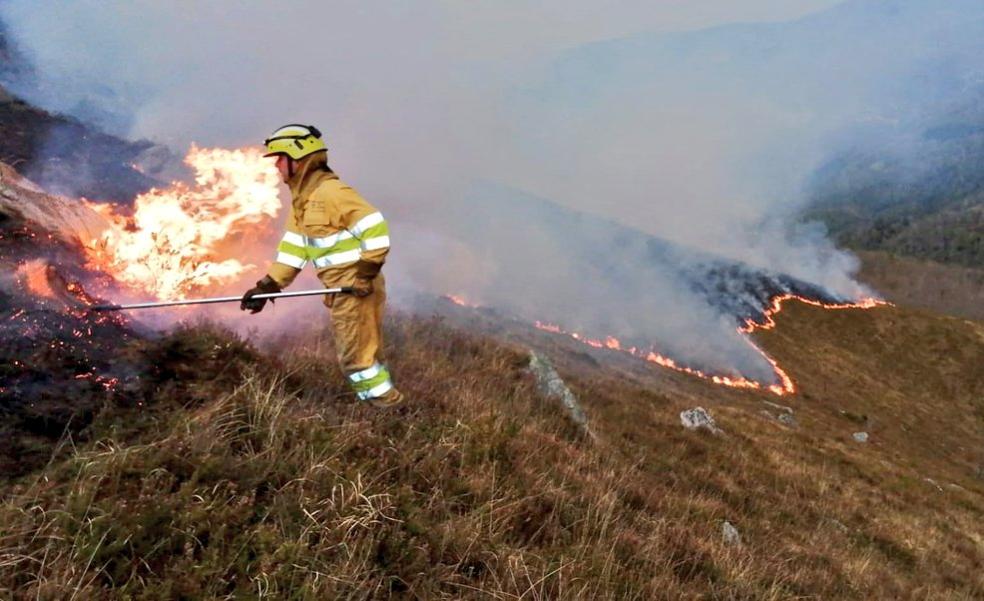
(702, 138)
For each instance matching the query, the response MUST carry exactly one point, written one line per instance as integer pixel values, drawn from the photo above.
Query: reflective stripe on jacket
(371, 233)
(329, 225)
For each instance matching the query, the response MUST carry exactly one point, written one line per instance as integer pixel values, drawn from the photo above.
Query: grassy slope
(913, 282)
(247, 478)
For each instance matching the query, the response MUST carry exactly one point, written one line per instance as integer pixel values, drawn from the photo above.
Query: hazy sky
(224, 71)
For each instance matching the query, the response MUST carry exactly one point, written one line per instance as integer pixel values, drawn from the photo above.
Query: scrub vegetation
(252, 473)
(930, 207)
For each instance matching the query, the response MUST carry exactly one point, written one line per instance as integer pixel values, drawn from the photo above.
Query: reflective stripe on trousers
(371, 383)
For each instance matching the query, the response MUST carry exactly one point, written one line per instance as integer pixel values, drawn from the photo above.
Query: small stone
(730, 534)
(837, 525)
(788, 419)
(860, 436)
(698, 417)
(783, 408)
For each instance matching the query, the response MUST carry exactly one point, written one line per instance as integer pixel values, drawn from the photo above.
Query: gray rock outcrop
(730, 534)
(698, 417)
(552, 386)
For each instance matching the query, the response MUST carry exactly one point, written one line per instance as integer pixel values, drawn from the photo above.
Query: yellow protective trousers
(358, 326)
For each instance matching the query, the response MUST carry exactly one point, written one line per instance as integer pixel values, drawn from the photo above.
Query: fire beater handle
(221, 299)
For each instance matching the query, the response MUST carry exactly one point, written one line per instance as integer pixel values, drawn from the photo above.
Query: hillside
(66, 154)
(933, 210)
(84, 162)
(868, 113)
(915, 188)
(195, 464)
(146, 460)
(251, 472)
(949, 289)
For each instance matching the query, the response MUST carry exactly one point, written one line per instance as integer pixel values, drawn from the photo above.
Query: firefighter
(346, 239)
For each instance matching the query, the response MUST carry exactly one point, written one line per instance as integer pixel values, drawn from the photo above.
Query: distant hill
(68, 156)
(950, 234)
(870, 114)
(64, 154)
(926, 201)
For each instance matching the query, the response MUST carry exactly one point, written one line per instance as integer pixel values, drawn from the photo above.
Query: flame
(177, 239)
(784, 383)
(460, 301)
(775, 306)
(34, 275)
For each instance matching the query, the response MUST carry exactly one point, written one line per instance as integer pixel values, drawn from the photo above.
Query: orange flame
(460, 301)
(34, 274)
(785, 384)
(776, 305)
(177, 240)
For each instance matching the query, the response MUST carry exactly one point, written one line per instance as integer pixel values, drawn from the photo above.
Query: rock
(730, 534)
(698, 417)
(783, 408)
(552, 386)
(785, 419)
(860, 436)
(64, 217)
(838, 525)
(788, 419)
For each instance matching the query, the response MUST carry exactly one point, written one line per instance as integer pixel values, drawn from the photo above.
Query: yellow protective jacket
(330, 225)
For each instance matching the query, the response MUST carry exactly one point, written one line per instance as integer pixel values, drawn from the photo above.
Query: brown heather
(942, 287)
(245, 479)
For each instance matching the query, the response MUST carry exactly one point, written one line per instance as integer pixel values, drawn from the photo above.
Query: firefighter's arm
(291, 256)
(366, 224)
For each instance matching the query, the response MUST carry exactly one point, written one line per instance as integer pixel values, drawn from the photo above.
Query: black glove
(362, 287)
(265, 286)
(365, 273)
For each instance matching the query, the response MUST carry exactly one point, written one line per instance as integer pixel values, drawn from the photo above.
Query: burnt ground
(53, 148)
(58, 363)
(62, 365)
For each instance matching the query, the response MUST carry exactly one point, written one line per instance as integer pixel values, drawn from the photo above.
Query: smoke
(703, 139)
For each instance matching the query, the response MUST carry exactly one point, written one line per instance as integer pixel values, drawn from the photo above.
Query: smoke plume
(456, 120)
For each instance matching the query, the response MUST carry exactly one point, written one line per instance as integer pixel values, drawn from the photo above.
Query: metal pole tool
(220, 299)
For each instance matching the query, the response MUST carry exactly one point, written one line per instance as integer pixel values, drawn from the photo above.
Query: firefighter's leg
(357, 324)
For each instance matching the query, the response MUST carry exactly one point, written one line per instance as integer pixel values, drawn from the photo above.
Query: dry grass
(915, 282)
(270, 482)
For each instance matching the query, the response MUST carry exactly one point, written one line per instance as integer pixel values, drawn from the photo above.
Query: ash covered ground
(59, 363)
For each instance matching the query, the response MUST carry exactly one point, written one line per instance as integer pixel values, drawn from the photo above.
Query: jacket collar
(311, 171)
